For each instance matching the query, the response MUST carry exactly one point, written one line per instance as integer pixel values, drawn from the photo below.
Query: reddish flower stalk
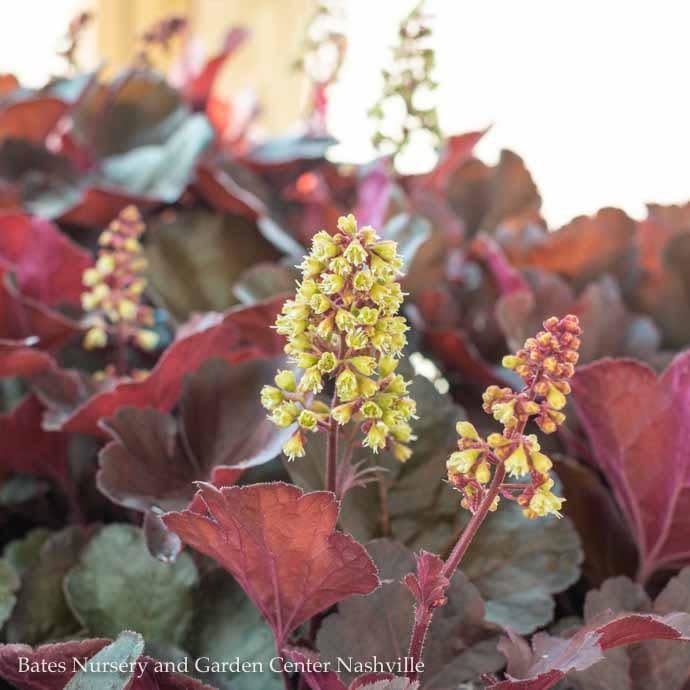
(545, 363)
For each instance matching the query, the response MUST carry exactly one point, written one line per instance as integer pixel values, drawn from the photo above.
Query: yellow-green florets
(114, 287)
(345, 334)
(545, 363)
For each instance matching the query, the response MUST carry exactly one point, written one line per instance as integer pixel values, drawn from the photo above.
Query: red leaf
(583, 249)
(458, 150)
(551, 658)
(154, 459)
(280, 545)
(28, 449)
(31, 119)
(47, 264)
(428, 585)
(61, 654)
(638, 425)
(239, 335)
(198, 88)
(19, 358)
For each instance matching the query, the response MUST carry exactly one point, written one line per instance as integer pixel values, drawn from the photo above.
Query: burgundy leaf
(280, 545)
(28, 449)
(20, 358)
(458, 150)
(31, 119)
(240, 334)
(198, 88)
(551, 658)
(637, 424)
(428, 585)
(154, 460)
(61, 655)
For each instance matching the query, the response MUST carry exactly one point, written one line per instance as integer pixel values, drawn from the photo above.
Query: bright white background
(593, 95)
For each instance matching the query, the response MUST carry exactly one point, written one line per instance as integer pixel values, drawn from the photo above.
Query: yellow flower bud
(308, 420)
(357, 339)
(510, 361)
(340, 266)
(347, 224)
(332, 283)
(355, 253)
(483, 472)
(343, 413)
(364, 364)
(386, 249)
(387, 365)
(462, 461)
(344, 320)
(516, 463)
(294, 446)
(323, 246)
(346, 385)
(368, 316)
(105, 264)
(95, 338)
(127, 309)
(371, 410)
(363, 281)
(401, 452)
(285, 414)
(555, 398)
(504, 412)
(325, 327)
(467, 430)
(285, 379)
(542, 463)
(271, 397)
(311, 380)
(319, 303)
(90, 277)
(146, 340)
(367, 387)
(327, 362)
(376, 437)
(306, 359)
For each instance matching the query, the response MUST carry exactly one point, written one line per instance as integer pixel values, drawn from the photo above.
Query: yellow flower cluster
(344, 332)
(545, 364)
(115, 285)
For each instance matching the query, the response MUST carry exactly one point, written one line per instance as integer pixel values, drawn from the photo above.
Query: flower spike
(115, 286)
(344, 332)
(545, 364)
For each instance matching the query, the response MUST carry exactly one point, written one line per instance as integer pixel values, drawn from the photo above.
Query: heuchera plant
(156, 357)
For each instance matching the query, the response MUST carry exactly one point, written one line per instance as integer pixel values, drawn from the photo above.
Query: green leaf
(517, 564)
(9, 584)
(118, 585)
(161, 171)
(42, 614)
(265, 280)
(226, 623)
(121, 654)
(23, 553)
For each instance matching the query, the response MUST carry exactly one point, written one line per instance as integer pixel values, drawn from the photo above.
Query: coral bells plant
(345, 335)
(114, 288)
(479, 467)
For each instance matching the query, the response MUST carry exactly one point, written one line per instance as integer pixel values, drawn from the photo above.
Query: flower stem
(423, 616)
(332, 456)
